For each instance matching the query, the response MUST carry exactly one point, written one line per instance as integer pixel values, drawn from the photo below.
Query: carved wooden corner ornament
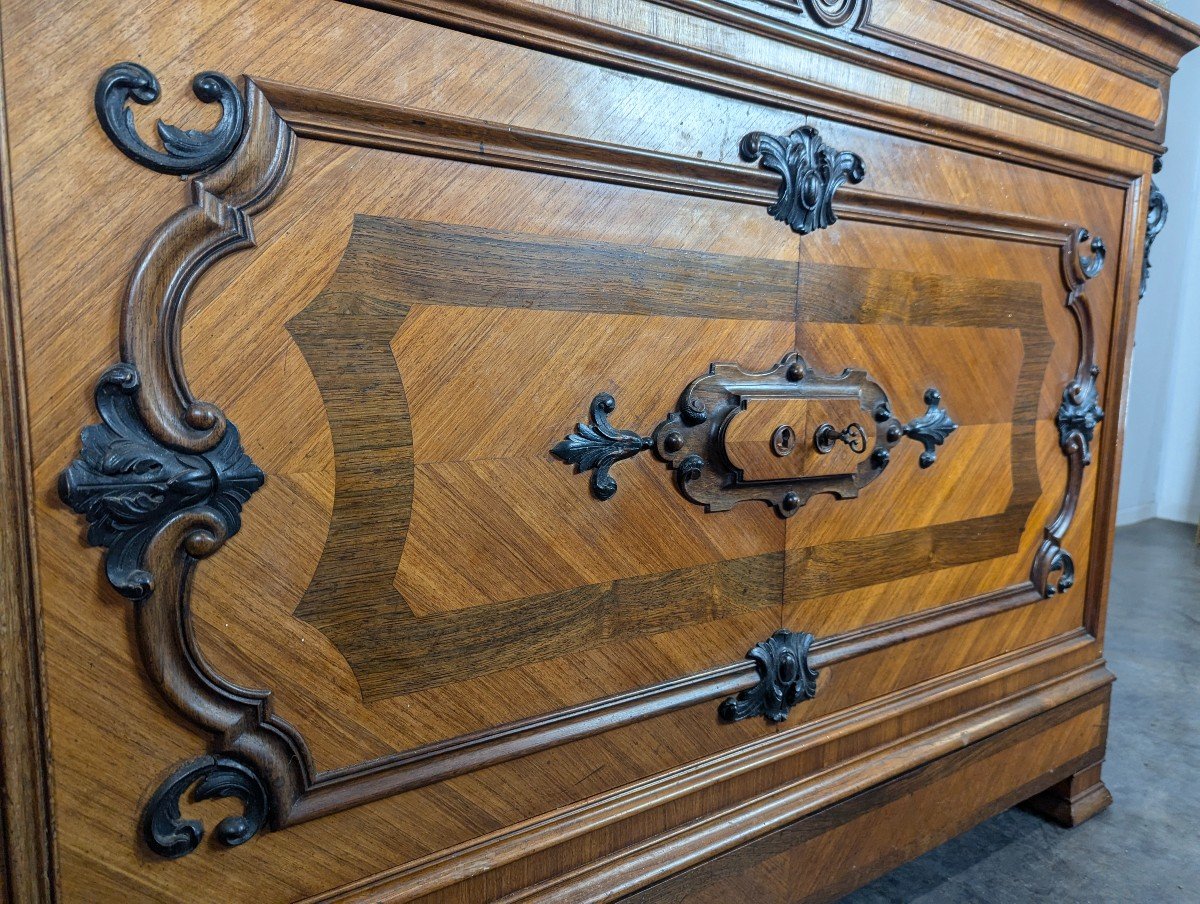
(1156, 219)
(163, 478)
(1077, 416)
(811, 172)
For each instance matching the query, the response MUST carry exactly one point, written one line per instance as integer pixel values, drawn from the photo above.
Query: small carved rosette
(784, 679)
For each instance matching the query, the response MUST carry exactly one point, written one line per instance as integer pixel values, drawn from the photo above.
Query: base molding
(794, 782)
(1074, 800)
(833, 845)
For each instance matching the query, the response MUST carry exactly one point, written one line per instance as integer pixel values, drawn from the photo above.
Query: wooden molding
(667, 855)
(327, 116)
(247, 735)
(27, 855)
(1127, 278)
(1077, 417)
(561, 33)
(1061, 32)
(778, 805)
(1152, 18)
(859, 42)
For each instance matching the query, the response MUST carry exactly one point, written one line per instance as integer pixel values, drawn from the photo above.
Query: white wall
(1160, 475)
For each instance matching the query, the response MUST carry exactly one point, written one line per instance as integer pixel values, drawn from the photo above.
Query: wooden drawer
(642, 410)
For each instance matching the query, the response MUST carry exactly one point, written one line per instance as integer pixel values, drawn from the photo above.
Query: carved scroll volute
(1156, 219)
(216, 223)
(163, 478)
(1077, 416)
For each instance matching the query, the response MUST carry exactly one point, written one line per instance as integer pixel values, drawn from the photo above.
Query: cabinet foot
(1074, 800)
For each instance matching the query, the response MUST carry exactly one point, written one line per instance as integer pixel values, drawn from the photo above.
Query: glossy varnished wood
(26, 821)
(466, 222)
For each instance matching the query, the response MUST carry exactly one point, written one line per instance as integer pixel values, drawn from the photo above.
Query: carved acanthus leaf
(784, 679)
(597, 446)
(811, 171)
(128, 485)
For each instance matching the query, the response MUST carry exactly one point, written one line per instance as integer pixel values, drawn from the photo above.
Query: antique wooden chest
(676, 440)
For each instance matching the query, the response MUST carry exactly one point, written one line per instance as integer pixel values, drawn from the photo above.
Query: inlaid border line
(147, 410)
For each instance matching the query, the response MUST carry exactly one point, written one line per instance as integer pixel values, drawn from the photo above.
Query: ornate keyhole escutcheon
(712, 441)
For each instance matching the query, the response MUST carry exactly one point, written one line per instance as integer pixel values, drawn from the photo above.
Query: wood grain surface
(492, 683)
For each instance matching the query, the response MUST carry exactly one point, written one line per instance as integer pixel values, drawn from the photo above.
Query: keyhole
(783, 441)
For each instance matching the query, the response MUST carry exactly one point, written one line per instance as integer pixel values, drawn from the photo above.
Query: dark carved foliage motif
(162, 479)
(1156, 219)
(811, 171)
(597, 446)
(129, 485)
(784, 679)
(169, 835)
(1079, 413)
(931, 428)
(187, 151)
(1077, 416)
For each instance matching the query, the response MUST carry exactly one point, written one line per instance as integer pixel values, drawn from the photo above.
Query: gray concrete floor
(1146, 846)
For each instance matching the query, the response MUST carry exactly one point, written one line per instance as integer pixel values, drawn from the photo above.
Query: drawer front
(546, 467)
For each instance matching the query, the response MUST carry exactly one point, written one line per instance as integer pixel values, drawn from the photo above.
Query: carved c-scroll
(1077, 416)
(162, 480)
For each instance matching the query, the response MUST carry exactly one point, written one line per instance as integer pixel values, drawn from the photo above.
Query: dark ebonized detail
(598, 446)
(853, 436)
(931, 428)
(784, 679)
(1156, 219)
(1077, 416)
(169, 835)
(129, 486)
(811, 171)
(691, 439)
(187, 151)
(833, 13)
